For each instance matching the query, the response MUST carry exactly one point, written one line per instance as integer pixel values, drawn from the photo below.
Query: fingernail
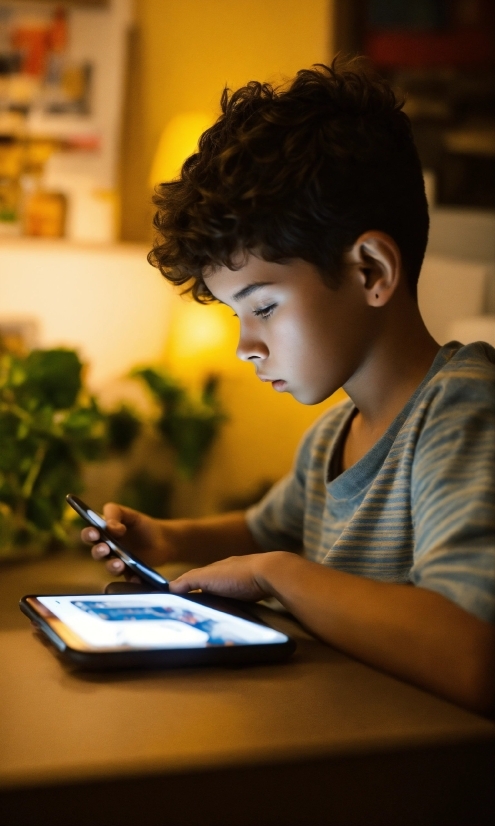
(116, 565)
(93, 534)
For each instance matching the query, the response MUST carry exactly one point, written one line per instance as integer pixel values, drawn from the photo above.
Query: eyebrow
(251, 288)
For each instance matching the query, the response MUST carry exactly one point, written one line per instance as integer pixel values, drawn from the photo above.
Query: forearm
(211, 538)
(411, 632)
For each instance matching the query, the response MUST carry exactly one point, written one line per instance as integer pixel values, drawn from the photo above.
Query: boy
(304, 211)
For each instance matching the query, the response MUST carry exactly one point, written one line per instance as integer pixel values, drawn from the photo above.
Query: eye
(265, 312)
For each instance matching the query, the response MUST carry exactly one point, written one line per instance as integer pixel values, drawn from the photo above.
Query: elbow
(477, 678)
(465, 668)
(479, 695)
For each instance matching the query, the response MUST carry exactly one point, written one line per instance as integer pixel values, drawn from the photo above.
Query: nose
(250, 347)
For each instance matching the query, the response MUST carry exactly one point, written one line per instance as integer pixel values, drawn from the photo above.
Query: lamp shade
(178, 140)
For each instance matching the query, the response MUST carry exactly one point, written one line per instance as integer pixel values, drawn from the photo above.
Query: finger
(115, 566)
(90, 535)
(129, 576)
(227, 578)
(100, 551)
(196, 580)
(120, 514)
(185, 583)
(115, 527)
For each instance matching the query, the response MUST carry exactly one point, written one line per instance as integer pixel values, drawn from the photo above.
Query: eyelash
(265, 312)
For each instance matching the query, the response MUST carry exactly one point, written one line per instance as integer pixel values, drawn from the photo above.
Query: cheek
(304, 342)
(318, 331)
(292, 337)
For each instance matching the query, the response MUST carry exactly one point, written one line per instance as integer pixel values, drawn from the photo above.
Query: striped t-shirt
(419, 506)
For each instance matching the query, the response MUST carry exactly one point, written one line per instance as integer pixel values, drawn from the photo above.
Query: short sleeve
(277, 521)
(453, 494)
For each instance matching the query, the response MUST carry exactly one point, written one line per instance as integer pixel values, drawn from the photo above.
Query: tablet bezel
(162, 657)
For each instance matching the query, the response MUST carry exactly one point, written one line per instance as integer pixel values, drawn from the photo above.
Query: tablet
(155, 629)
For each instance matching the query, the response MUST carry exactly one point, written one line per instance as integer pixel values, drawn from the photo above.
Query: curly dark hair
(299, 171)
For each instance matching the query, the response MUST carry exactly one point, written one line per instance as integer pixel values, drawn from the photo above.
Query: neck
(400, 356)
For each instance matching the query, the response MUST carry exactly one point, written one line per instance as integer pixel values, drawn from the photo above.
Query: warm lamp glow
(178, 140)
(107, 302)
(202, 340)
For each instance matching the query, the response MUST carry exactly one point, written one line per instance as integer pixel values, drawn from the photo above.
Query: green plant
(189, 424)
(49, 426)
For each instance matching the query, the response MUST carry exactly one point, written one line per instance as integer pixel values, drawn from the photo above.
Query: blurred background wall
(182, 54)
(106, 301)
(137, 83)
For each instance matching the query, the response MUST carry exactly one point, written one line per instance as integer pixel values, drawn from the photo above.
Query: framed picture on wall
(61, 96)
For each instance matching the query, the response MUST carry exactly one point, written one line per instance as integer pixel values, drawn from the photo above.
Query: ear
(376, 259)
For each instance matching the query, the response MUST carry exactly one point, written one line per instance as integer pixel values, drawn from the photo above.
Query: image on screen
(146, 621)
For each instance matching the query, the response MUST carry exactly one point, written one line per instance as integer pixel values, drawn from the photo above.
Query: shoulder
(453, 480)
(464, 386)
(455, 414)
(469, 370)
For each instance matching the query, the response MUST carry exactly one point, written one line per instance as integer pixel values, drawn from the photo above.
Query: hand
(141, 534)
(239, 577)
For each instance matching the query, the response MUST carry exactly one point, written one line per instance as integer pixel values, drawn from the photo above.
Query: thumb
(119, 517)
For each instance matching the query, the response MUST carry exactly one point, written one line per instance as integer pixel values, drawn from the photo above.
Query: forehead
(233, 286)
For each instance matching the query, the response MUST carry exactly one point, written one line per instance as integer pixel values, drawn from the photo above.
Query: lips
(277, 384)
(266, 379)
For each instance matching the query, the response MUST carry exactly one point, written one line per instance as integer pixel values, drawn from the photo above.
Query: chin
(313, 395)
(310, 398)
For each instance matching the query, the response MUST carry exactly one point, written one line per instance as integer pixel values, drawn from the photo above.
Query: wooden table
(320, 739)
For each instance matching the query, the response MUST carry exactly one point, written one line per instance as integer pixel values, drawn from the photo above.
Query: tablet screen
(120, 622)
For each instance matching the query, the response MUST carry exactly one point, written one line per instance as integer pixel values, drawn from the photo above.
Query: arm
(210, 538)
(158, 541)
(203, 540)
(413, 633)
